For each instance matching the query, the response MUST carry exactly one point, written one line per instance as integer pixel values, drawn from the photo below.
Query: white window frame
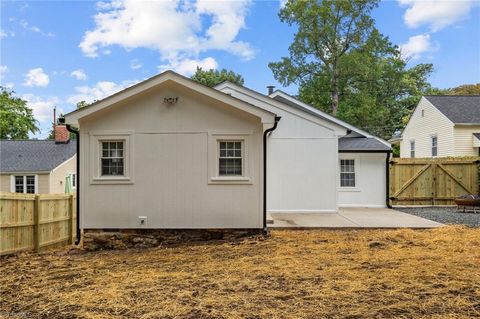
(354, 172)
(242, 157)
(412, 142)
(214, 158)
(71, 174)
(432, 138)
(24, 175)
(96, 140)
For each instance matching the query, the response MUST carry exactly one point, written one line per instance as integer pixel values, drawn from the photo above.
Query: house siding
(43, 182)
(58, 175)
(421, 129)
(370, 174)
(171, 164)
(464, 140)
(302, 161)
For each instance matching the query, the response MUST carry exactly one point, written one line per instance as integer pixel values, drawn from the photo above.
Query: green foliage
(16, 118)
(343, 65)
(466, 89)
(82, 104)
(213, 77)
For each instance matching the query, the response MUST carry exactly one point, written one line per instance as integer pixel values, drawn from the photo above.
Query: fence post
(434, 183)
(71, 202)
(36, 223)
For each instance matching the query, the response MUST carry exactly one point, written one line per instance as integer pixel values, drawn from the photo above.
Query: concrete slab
(350, 218)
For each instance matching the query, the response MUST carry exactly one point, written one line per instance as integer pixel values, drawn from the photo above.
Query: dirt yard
(292, 274)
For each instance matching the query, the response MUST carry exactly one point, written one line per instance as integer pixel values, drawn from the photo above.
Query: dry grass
(292, 274)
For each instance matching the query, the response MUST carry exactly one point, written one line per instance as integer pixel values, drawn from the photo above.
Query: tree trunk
(334, 94)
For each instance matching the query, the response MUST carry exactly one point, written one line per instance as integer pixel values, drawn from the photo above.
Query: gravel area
(445, 215)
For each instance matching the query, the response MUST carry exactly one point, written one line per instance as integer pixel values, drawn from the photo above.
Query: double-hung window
(230, 160)
(412, 149)
(347, 173)
(112, 159)
(434, 146)
(24, 184)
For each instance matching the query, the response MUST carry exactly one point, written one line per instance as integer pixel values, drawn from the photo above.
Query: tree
(466, 89)
(327, 31)
(213, 77)
(51, 135)
(364, 81)
(16, 118)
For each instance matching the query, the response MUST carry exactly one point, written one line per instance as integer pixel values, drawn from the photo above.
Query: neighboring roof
(361, 144)
(33, 155)
(73, 117)
(477, 135)
(460, 109)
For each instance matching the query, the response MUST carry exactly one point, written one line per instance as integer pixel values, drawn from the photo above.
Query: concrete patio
(350, 218)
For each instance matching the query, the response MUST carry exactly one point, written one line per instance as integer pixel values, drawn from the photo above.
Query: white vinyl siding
(421, 129)
(464, 140)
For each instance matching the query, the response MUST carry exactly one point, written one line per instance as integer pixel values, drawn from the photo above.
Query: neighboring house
(442, 125)
(172, 153)
(38, 166)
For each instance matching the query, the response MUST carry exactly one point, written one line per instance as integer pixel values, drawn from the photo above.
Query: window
(434, 146)
(347, 173)
(423, 113)
(230, 158)
(112, 160)
(73, 179)
(24, 184)
(412, 149)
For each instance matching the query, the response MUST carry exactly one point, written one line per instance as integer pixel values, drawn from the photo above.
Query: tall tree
(16, 118)
(213, 77)
(327, 31)
(466, 89)
(364, 80)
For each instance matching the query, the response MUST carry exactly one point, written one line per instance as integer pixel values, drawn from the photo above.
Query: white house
(442, 125)
(171, 153)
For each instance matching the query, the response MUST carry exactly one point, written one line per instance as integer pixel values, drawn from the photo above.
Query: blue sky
(57, 53)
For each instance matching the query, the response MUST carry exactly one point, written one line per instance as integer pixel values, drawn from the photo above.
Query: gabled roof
(363, 144)
(33, 155)
(460, 109)
(168, 76)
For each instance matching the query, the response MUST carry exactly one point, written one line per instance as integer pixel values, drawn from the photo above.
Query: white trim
(226, 86)
(361, 206)
(302, 211)
(12, 182)
(168, 76)
(356, 161)
(96, 138)
(213, 158)
(432, 136)
(63, 163)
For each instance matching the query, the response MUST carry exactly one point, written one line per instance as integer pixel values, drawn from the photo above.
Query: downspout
(77, 135)
(387, 179)
(277, 119)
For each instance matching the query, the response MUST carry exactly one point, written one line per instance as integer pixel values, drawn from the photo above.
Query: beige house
(38, 166)
(442, 126)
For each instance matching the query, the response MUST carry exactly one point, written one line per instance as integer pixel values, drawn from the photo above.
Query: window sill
(112, 180)
(230, 180)
(348, 189)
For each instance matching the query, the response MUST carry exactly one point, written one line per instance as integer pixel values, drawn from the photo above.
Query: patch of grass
(292, 274)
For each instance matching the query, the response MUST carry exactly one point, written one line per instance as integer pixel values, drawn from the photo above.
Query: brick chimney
(61, 133)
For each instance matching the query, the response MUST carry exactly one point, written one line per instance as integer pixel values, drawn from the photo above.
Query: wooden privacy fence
(36, 222)
(432, 181)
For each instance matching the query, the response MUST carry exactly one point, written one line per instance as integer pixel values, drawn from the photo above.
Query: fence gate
(432, 181)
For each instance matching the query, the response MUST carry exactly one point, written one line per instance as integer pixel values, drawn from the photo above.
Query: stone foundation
(101, 239)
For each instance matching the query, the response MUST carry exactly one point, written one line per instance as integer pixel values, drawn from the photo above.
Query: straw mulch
(291, 274)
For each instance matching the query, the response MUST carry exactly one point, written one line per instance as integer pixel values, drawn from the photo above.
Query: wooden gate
(419, 181)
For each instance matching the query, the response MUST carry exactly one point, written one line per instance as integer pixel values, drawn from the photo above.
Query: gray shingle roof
(477, 135)
(33, 155)
(361, 144)
(460, 109)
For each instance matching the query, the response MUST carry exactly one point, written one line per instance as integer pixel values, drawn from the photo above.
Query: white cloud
(3, 70)
(24, 24)
(435, 14)
(42, 107)
(36, 77)
(189, 66)
(178, 30)
(79, 75)
(415, 46)
(6, 33)
(99, 91)
(135, 64)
